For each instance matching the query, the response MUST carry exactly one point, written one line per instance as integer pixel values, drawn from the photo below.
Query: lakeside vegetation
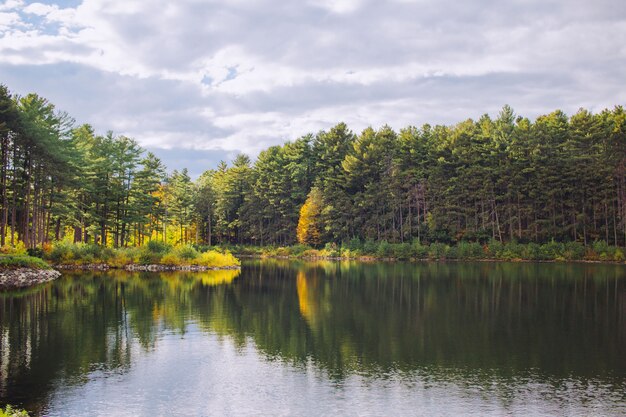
(9, 411)
(153, 253)
(525, 184)
(493, 250)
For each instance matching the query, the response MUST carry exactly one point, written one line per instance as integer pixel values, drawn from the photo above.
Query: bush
(437, 251)
(402, 251)
(9, 411)
(186, 252)
(495, 249)
(331, 250)
(469, 250)
(370, 247)
(22, 261)
(216, 259)
(552, 251)
(384, 250)
(311, 253)
(574, 251)
(419, 251)
(35, 252)
(61, 253)
(156, 247)
(17, 249)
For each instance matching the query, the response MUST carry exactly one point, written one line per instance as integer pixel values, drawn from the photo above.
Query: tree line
(507, 179)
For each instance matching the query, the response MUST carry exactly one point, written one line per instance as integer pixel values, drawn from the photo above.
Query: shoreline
(423, 260)
(25, 277)
(17, 278)
(137, 267)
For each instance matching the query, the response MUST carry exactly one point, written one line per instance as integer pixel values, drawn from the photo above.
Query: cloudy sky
(200, 80)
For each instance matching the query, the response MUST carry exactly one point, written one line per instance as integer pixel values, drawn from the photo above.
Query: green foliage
(152, 253)
(157, 247)
(437, 251)
(384, 250)
(479, 186)
(22, 261)
(9, 411)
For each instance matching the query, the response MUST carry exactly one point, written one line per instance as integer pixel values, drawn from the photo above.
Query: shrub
(311, 253)
(469, 250)
(384, 250)
(216, 259)
(61, 253)
(298, 250)
(451, 252)
(419, 251)
(532, 251)
(156, 247)
(495, 248)
(35, 252)
(17, 249)
(402, 251)
(22, 261)
(552, 251)
(437, 250)
(9, 411)
(331, 250)
(186, 252)
(354, 245)
(574, 251)
(370, 247)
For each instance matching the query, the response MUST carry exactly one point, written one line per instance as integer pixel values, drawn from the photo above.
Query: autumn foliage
(309, 226)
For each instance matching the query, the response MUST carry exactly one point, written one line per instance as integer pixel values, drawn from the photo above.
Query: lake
(320, 338)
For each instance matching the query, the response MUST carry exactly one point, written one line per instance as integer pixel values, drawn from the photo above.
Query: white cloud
(11, 5)
(239, 75)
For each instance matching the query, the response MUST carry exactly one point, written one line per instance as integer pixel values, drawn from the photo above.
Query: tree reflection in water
(439, 320)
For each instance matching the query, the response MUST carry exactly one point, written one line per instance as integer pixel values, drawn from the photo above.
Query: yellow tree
(309, 226)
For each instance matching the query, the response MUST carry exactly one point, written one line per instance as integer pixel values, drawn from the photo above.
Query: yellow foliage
(18, 249)
(309, 224)
(216, 259)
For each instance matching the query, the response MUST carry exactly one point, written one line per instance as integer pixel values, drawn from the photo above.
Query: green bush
(552, 251)
(419, 251)
(384, 250)
(186, 252)
(156, 247)
(402, 251)
(495, 249)
(469, 250)
(451, 252)
(437, 250)
(9, 411)
(22, 261)
(331, 250)
(574, 251)
(354, 244)
(35, 252)
(61, 253)
(369, 247)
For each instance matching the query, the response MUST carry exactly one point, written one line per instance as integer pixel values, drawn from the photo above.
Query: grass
(151, 254)
(22, 261)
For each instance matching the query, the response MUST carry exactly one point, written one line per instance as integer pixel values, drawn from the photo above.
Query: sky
(197, 81)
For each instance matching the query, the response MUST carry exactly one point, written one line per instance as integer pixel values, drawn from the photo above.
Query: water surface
(321, 338)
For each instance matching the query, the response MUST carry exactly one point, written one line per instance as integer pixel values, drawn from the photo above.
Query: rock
(161, 268)
(85, 267)
(25, 277)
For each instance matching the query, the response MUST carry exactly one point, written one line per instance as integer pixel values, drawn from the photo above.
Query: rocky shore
(149, 268)
(14, 278)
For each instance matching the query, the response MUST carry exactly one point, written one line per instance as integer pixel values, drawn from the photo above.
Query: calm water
(325, 338)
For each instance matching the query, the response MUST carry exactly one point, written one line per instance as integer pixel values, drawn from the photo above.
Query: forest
(509, 179)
